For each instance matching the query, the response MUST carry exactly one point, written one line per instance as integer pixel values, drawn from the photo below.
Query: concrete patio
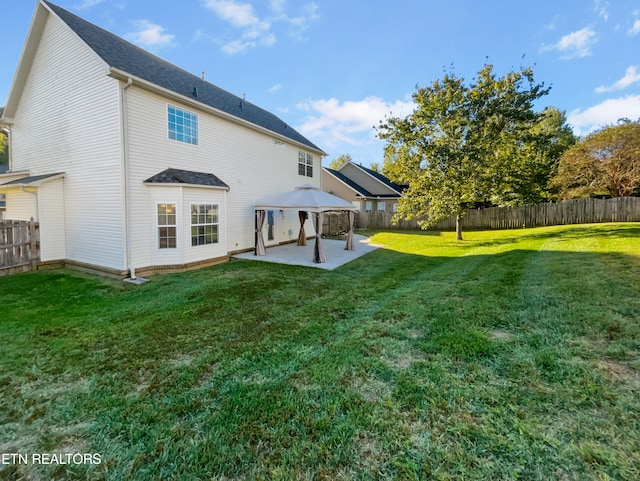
(293, 254)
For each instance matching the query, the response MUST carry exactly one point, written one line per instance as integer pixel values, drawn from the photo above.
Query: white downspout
(125, 169)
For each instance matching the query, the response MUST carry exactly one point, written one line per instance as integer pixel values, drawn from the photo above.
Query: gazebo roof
(308, 198)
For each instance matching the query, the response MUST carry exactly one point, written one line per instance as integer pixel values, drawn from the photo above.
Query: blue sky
(335, 68)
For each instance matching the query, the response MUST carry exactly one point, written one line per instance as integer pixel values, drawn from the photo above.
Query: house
(368, 190)
(132, 165)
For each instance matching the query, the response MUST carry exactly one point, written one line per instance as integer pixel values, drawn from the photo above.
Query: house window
(368, 205)
(305, 164)
(167, 226)
(204, 224)
(183, 125)
(382, 206)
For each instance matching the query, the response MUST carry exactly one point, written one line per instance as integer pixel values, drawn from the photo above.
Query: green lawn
(511, 355)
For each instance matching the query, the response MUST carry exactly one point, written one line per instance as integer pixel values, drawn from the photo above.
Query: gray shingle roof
(382, 178)
(361, 190)
(124, 56)
(177, 176)
(32, 178)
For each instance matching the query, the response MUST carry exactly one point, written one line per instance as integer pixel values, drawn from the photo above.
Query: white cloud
(574, 44)
(635, 30)
(333, 123)
(274, 88)
(300, 23)
(605, 113)
(254, 30)
(631, 76)
(87, 4)
(238, 14)
(150, 35)
(602, 7)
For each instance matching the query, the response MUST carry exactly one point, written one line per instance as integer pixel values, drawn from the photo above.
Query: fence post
(33, 244)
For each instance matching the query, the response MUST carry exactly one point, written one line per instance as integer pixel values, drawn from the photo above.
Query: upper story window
(183, 125)
(305, 164)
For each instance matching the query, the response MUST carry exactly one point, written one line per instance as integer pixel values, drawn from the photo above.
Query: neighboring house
(368, 190)
(133, 165)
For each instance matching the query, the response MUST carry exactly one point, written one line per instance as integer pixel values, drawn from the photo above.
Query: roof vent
(195, 92)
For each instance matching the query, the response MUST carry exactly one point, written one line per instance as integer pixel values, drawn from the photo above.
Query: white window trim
(306, 160)
(158, 226)
(193, 114)
(191, 224)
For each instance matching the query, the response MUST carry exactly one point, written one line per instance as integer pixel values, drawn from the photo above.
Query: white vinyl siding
(21, 205)
(53, 242)
(249, 162)
(67, 120)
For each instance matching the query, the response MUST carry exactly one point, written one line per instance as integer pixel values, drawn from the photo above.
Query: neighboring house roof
(137, 62)
(358, 188)
(361, 190)
(33, 180)
(177, 176)
(385, 180)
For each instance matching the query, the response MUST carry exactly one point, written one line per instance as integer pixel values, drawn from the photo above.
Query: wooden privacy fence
(19, 246)
(576, 211)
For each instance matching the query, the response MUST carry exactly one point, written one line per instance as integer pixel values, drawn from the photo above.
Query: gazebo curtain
(351, 245)
(318, 253)
(302, 237)
(260, 247)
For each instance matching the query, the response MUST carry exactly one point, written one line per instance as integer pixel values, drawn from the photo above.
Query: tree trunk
(458, 228)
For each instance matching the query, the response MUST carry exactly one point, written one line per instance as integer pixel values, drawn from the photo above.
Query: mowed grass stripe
(428, 359)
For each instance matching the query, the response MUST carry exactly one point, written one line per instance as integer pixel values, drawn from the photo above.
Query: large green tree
(604, 162)
(533, 165)
(339, 161)
(4, 158)
(468, 143)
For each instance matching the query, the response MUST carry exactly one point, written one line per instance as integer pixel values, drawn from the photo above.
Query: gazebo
(305, 198)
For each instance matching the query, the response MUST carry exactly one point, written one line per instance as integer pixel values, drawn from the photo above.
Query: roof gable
(377, 176)
(351, 183)
(122, 55)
